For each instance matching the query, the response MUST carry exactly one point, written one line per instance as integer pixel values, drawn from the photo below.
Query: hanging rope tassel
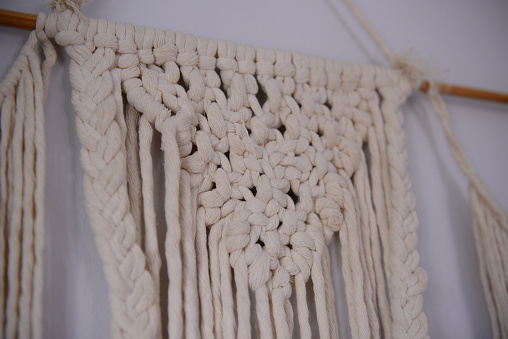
(22, 175)
(490, 228)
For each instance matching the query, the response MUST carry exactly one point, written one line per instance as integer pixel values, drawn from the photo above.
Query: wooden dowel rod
(27, 21)
(17, 19)
(466, 92)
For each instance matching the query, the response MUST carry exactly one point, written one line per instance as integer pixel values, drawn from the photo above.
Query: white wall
(468, 38)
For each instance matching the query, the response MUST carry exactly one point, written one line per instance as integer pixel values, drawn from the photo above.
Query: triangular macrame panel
(268, 156)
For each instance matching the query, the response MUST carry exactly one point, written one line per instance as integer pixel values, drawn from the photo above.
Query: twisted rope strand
(408, 318)
(204, 283)
(40, 176)
(15, 210)
(27, 227)
(167, 127)
(151, 245)
(189, 280)
(330, 298)
(133, 168)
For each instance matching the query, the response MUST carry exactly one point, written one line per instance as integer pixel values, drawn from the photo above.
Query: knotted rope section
(264, 162)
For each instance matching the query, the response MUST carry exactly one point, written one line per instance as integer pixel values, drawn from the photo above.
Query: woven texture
(268, 156)
(264, 159)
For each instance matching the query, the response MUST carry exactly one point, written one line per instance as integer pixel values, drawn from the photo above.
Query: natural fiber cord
(22, 172)
(268, 156)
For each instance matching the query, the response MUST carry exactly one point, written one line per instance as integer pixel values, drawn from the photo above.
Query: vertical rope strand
(7, 101)
(215, 276)
(22, 95)
(204, 283)
(352, 268)
(489, 262)
(151, 246)
(133, 168)
(40, 175)
(379, 249)
(279, 283)
(320, 297)
(378, 281)
(190, 288)
(489, 298)
(243, 302)
(167, 127)
(263, 313)
(228, 320)
(360, 186)
(303, 309)
(15, 212)
(289, 314)
(279, 314)
(27, 256)
(330, 295)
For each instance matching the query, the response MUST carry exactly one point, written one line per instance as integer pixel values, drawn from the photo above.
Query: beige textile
(265, 158)
(22, 172)
(268, 157)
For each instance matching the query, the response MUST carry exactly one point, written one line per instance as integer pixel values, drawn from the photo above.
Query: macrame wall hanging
(268, 157)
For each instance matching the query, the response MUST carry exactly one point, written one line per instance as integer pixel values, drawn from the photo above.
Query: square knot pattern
(265, 164)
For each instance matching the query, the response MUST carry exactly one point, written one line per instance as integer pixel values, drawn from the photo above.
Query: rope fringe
(22, 175)
(490, 228)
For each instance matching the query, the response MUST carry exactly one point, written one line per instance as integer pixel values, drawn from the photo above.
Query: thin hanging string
(415, 69)
(373, 34)
(474, 179)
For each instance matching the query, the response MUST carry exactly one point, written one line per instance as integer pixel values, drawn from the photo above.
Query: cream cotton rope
(268, 157)
(22, 172)
(254, 187)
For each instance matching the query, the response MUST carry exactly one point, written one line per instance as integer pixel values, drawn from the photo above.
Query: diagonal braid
(407, 281)
(97, 98)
